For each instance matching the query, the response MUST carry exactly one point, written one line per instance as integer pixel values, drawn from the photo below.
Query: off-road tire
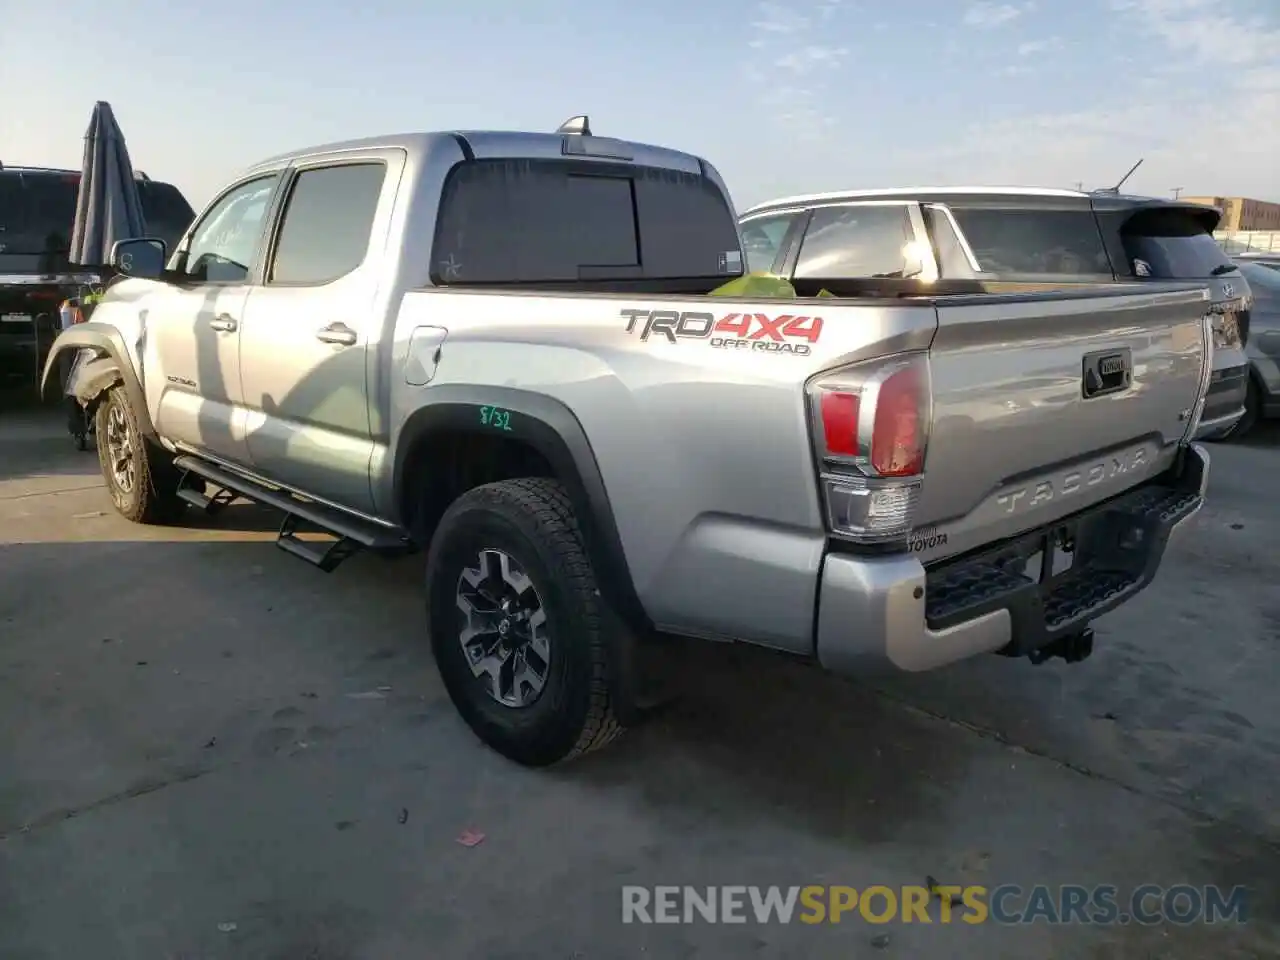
(153, 498)
(533, 522)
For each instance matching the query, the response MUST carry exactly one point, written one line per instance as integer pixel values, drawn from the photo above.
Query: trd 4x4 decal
(787, 333)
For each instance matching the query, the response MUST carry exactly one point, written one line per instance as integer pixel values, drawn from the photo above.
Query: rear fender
(110, 366)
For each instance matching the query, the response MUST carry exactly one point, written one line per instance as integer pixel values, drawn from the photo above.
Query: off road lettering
(786, 333)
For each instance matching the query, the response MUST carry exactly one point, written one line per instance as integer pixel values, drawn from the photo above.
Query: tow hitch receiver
(1072, 648)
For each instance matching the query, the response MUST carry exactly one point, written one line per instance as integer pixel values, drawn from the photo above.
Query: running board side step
(350, 533)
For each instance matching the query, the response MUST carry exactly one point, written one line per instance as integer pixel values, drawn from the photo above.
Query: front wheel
(140, 475)
(518, 628)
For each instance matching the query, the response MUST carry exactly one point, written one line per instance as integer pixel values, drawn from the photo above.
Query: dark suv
(37, 209)
(956, 240)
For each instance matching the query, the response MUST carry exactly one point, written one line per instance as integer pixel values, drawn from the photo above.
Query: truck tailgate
(1044, 405)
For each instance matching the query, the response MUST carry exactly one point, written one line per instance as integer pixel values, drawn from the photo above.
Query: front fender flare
(110, 366)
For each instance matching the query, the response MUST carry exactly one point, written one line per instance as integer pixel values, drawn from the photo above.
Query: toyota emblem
(1228, 290)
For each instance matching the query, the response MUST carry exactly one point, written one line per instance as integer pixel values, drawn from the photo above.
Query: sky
(783, 97)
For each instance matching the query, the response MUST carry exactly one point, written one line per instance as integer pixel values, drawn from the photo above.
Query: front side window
(225, 242)
(762, 238)
(529, 221)
(328, 220)
(856, 243)
(1036, 243)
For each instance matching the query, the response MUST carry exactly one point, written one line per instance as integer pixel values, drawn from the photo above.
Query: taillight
(1226, 329)
(901, 422)
(871, 430)
(840, 422)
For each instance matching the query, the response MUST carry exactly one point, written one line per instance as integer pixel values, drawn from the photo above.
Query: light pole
(1177, 192)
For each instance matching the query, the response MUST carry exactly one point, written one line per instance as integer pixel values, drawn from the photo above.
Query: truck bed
(1014, 442)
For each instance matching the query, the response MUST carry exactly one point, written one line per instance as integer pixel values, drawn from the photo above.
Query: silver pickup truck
(500, 348)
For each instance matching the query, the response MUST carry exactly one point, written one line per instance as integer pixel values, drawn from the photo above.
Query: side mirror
(144, 257)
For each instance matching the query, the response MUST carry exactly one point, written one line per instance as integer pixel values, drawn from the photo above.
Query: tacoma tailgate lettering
(1072, 481)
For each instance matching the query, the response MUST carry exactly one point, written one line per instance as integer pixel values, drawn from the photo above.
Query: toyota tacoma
(503, 349)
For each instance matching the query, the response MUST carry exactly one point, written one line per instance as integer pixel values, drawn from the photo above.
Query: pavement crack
(50, 493)
(140, 789)
(987, 733)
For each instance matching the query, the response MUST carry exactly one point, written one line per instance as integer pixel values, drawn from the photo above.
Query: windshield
(1172, 244)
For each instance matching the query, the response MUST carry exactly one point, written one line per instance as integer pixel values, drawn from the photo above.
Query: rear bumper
(878, 614)
(1224, 403)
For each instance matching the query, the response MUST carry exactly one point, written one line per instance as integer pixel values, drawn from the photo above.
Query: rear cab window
(528, 221)
(38, 211)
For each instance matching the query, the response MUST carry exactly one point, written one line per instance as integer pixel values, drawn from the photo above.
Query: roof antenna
(580, 126)
(1116, 188)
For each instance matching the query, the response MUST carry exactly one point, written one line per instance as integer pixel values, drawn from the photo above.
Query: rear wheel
(140, 475)
(519, 631)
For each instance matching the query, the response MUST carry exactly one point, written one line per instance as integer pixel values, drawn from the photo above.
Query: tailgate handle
(1106, 371)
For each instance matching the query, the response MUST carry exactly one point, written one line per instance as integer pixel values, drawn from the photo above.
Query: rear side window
(762, 238)
(1172, 244)
(529, 221)
(328, 220)
(1034, 243)
(856, 242)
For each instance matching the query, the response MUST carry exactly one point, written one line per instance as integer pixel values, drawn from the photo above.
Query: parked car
(501, 348)
(1269, 260)
(945, 240)
(1264, 345)
(37, 210)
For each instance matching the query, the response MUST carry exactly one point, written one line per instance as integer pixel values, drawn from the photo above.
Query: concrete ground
(210, 750)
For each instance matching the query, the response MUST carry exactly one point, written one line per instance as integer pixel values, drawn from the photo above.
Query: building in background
(1240, 214)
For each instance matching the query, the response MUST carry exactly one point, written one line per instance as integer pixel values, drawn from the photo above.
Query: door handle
(338, 333)
(223, 323)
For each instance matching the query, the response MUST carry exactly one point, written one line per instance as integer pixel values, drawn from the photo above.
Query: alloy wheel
(120, 450)
(504, 634)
